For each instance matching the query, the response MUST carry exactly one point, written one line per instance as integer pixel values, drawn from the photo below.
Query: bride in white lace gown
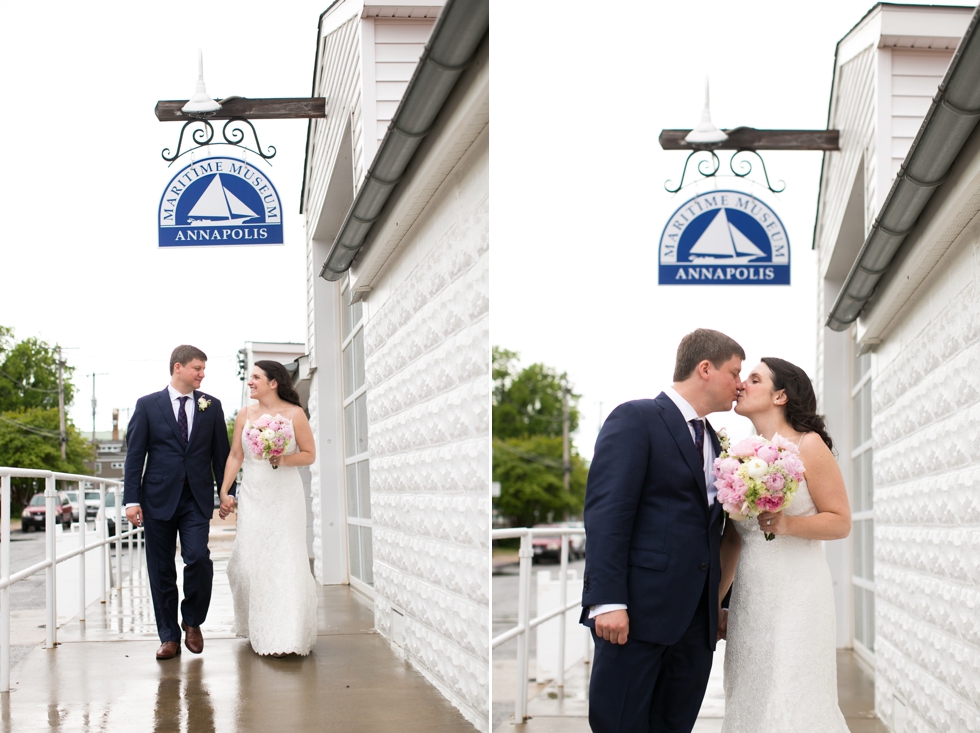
(269, 571)
(781, 656)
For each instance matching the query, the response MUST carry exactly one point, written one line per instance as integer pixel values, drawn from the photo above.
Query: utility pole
(566, 462)
(94, 375)
(61, 406)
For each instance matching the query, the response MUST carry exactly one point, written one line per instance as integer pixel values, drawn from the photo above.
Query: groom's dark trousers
(653, 546)
(173, 482)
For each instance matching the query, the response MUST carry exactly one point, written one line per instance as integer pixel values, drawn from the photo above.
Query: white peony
(270, 435)
(755, 468)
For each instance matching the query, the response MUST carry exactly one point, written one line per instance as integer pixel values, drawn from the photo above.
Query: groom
(652, 563)
(181, 435)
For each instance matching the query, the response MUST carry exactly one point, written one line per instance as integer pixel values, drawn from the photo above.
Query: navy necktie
(182, 418)
(699, 437)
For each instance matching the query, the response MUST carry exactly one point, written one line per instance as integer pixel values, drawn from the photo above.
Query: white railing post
(5, 592)
(523, 616)
(115, 490)
(81, 556)
(50, 573)
(563, 595)
(103, 552)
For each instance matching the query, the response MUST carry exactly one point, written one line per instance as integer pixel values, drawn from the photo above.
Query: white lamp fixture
(201, 103)
(705, 134)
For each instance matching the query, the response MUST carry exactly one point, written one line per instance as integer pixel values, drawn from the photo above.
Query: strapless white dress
(269, 571)
(781, 656)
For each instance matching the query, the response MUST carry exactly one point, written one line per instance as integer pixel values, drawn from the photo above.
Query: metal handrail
(51, 560)
(520, 631)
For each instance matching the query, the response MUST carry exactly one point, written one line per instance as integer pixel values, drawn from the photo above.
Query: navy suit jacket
(653, 541)
(154, 438)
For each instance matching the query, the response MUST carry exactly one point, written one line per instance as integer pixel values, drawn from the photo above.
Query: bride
(780, 659)
(269, 571)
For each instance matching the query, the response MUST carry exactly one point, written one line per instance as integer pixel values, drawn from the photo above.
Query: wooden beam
(748, 138)
(250, 109)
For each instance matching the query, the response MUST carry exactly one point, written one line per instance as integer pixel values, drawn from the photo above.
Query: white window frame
(868, 655)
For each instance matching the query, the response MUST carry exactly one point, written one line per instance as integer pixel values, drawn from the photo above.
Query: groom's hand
(135, 515)
(227, 506)
(614, 626)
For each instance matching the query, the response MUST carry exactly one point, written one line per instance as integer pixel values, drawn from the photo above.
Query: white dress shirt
(188, 407)
(688, 413)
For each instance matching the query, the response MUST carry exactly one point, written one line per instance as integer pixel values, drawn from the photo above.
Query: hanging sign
(218, 202)
(724, 238)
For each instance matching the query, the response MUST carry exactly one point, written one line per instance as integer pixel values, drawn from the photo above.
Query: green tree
(31, 439)
(29, 420)
(29, 374)
(527, 443)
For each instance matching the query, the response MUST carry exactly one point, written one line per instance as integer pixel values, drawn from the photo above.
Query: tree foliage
(30, 431)
(527, 443)
(29, 374)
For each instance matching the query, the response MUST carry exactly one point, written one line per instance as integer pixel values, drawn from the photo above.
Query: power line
(31, 428)
(27, 386)
(532, 457)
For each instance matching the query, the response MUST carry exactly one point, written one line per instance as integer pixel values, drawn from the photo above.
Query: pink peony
(784, 443)
(734, 511)
(774, 481)
(792, 465)
(747, 446)
(769, 503)
(768, 452)
(726, 466)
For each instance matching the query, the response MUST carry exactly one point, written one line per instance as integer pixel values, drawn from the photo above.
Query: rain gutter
(457, 34)
(952, 116)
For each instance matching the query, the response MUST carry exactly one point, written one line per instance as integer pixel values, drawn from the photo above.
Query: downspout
(461, 27)
(948, 124)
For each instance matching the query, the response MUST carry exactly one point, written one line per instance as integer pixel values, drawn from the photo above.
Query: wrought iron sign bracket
(237, 112)
(746, 140)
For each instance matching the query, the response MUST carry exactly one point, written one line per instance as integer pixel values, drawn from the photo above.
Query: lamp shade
(200, 103)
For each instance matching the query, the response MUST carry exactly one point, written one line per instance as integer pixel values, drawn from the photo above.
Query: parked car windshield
(38, 500)
(91, 496)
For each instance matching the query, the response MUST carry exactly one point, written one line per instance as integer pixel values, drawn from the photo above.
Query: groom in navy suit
(652, 565)
(180, 434)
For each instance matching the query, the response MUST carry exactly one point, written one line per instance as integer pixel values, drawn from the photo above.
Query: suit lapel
(714, 438)
(681, 434)
(198, 430)
(168, 414)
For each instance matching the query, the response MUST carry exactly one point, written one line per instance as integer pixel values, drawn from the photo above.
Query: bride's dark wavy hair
(284, 383)
(801, 400)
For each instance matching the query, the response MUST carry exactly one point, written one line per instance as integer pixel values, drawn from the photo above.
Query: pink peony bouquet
(269, 436)
(757, 475)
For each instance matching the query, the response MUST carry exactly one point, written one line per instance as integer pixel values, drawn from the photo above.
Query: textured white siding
(914, 81)
(927, 503)
(427, 356)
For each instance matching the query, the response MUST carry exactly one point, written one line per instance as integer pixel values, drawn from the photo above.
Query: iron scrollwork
(232, 132)
(714, 165)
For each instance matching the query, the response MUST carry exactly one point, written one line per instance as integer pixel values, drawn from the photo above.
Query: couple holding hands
(177, 448)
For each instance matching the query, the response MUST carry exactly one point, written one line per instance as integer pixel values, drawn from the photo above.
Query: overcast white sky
(83, 177)
(580, 95)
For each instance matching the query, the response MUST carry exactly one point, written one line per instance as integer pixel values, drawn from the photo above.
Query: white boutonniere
(202, 404)
(723, 440)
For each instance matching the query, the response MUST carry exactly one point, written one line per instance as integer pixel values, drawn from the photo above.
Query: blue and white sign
(724, 238)
(218, 202)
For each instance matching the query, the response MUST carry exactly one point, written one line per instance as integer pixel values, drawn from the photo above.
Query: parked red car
(544, 546)
(34, 512)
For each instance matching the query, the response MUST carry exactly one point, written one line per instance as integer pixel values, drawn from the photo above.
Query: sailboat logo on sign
(220, 201)
(724, 238)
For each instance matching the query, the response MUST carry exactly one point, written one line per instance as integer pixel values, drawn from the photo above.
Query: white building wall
(427, 358)
(927, 503)
(915, 77)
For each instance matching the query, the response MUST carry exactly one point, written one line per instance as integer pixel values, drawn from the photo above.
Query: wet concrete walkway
(103, 675)
(554, 711)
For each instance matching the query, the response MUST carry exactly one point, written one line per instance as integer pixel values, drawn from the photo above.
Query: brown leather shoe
(168, 650)
(193, 638)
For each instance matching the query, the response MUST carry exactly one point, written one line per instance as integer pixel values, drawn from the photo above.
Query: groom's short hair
(184, 355)
(703, 344)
